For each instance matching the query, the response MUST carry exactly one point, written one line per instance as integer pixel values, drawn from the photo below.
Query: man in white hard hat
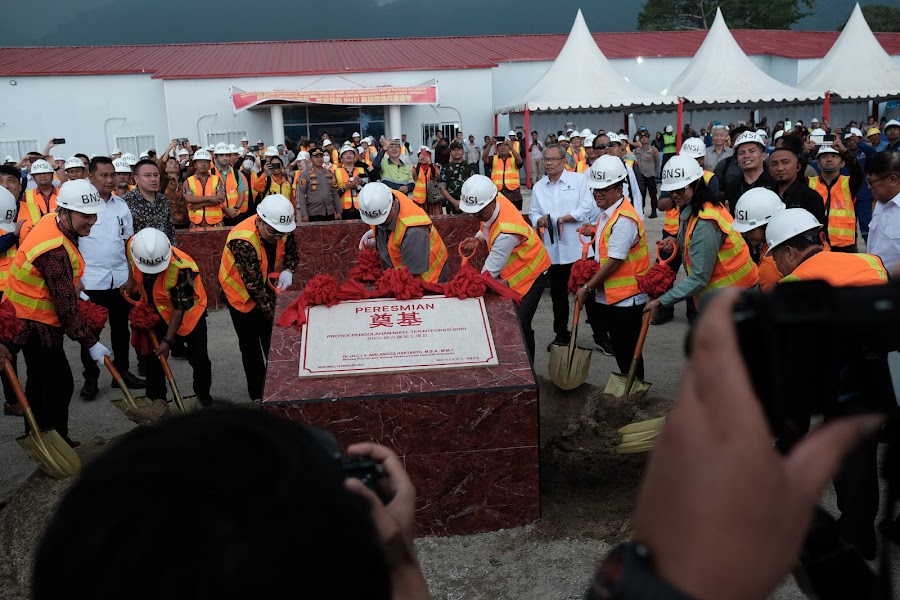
(576, 158)
(43, 288)
(752, 213)
(839, 193)
(74, 169)
(59, 165)
(245, 143)
(862, 151)
(750, 157)
(234, 186)
(560, 204)
(116, 153)
(608, 144)
(892, 135)
(105, 272)
(719, 150)
(124, 177)
(258, 249)
(515, 252)
(167, 279)
(402, 233)
(504, 162)
(355, 139)
(204, 192)
(620, 246)
(150, 207)
(39, 201)
(883, 176)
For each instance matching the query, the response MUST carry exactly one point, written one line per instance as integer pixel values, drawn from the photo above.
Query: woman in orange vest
(43, 287)
(349, 177)
(402, 233)
(204, 193)
(715, 256)
(620, 246)
(423, 173)
(516, 254)
(168, 280)
(258, 249)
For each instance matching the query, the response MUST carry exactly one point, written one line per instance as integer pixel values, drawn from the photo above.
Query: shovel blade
(618, 382)
(52, 454)
(643, 426)
(189, 404)
(139, 401)
(645, 446)
(566, 374)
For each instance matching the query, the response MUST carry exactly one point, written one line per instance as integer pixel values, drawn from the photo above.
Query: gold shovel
(182, 404)
(569, 365)
(640, 436)
(48, 449)
(621, 385)
(130, 401)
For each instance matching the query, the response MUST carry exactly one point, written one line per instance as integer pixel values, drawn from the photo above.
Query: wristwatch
(588, 288)
(627, 573)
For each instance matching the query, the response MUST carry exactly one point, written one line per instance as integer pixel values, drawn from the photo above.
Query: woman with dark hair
(715, 256)
(426, 193)
(172, 185)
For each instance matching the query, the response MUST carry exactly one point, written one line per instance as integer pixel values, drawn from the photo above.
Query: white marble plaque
(382, 336)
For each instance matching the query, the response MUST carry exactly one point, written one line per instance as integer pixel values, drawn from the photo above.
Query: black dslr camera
(369, 471)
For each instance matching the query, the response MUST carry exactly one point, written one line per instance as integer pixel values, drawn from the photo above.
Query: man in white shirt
(883, 176)
(620, 247)
(105, 271)
(608, 144)
(560, 204)
(473, 153)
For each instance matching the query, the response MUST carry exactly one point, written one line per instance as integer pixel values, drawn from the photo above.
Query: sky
(110, 22)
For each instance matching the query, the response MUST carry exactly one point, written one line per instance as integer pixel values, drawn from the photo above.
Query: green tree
(881, 17)
(666, 15)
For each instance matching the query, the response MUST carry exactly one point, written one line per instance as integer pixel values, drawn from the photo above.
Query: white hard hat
(370, 139)
(827, 150)
(42, 166)
(346, 148)
(117, 151)
(151, 250)
(693, 147)
(130, 159)
(853, 131)
(746, 137)
(778, 134)
(277, 211)
(585, 132)
(245, 139)
(605, 172)
(59, 159)
(817, 131)
(614, 138)
(144, 155)
(80, 196)
(303, 155)
(425, 149)
(589, 140)
(121, 166)
(73, 162)
(201, 155)
(786, 224)
(210, 148)
(9, 159)
(327, 143)
(232, 149)
(183, 152)
(668, 129)
(575, 134)
(355, 134)
(814, 120)
(271, 151)
(892, 123)
(258, 142)
(477, 192)
(679, 172)
(8, 209)
(562, 138)
(762, 133)
(375, 202)
(221, 148)
(754, 209)
(512, 132)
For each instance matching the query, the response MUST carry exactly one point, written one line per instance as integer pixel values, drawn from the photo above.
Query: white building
(140, 97)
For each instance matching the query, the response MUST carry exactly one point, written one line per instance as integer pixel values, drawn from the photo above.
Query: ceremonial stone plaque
(382, 336)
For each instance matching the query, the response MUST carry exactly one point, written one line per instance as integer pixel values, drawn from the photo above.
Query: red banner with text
(421, 94)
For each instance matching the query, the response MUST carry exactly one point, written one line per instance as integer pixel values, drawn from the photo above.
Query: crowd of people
(737, 212)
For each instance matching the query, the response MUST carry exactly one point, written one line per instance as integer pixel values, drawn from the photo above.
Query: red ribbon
(10, 325)
(94, 314)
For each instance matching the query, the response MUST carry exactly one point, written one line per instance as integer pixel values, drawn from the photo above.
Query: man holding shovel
(43, 286)
(168, 279)
(621, 249)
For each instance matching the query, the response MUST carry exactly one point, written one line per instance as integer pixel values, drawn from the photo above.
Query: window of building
(137, 144)
(339, 122)
(429, 131)
(226, 137)
(18, 148)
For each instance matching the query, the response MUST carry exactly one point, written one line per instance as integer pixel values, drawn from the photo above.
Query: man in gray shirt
(718, 151)
(647, 159)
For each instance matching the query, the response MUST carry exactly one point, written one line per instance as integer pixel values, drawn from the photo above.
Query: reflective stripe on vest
(733, 267)
(669, 143)
(342, 177)
(284, 188)
(841, 269)
(580, 161)
(6, 260)
(26, 287)
(529, 259)
(504, 173)
(410, 215)
(212, 214)
(420, 194)
(622, 283)
(231, 191)
(230, 278)
(33, 207)
(164, 283)
(841, 213)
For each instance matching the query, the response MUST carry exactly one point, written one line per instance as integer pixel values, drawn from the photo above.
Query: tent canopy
(846, 73)
(720, 73)
(581, 77)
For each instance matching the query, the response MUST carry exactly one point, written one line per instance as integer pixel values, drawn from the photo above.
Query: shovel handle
(129, 398)
(672, 256)
(573, 338)
(168, 373)
(20, 397)
(465, 257)
(632, 371)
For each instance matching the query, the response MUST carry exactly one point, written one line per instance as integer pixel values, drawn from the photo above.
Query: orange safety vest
(231, 191)
(33, 207)
(6, 260)
(529, 259)
(410, 215)
(841, 269)
(670, 221)
(839, 206)
(580, 161)
(341, 177)
(733, 267)
(420, 194)
(769, 275)
(164, 283)
(504, 173)
(622, 283)
(230, 278)
(26, 287)
(212, 214)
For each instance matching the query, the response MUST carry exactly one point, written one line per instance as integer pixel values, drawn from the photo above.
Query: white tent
(720, 73)
(582, 78)
(856, 66)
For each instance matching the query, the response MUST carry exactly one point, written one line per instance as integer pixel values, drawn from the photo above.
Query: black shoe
(132, 381)
(142, 369)
(559, 341)
(89, 390)
(604, 346)
(653, 215)
(206, 402)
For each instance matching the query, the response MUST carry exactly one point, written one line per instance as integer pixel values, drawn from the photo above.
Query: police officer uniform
(317, 198)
